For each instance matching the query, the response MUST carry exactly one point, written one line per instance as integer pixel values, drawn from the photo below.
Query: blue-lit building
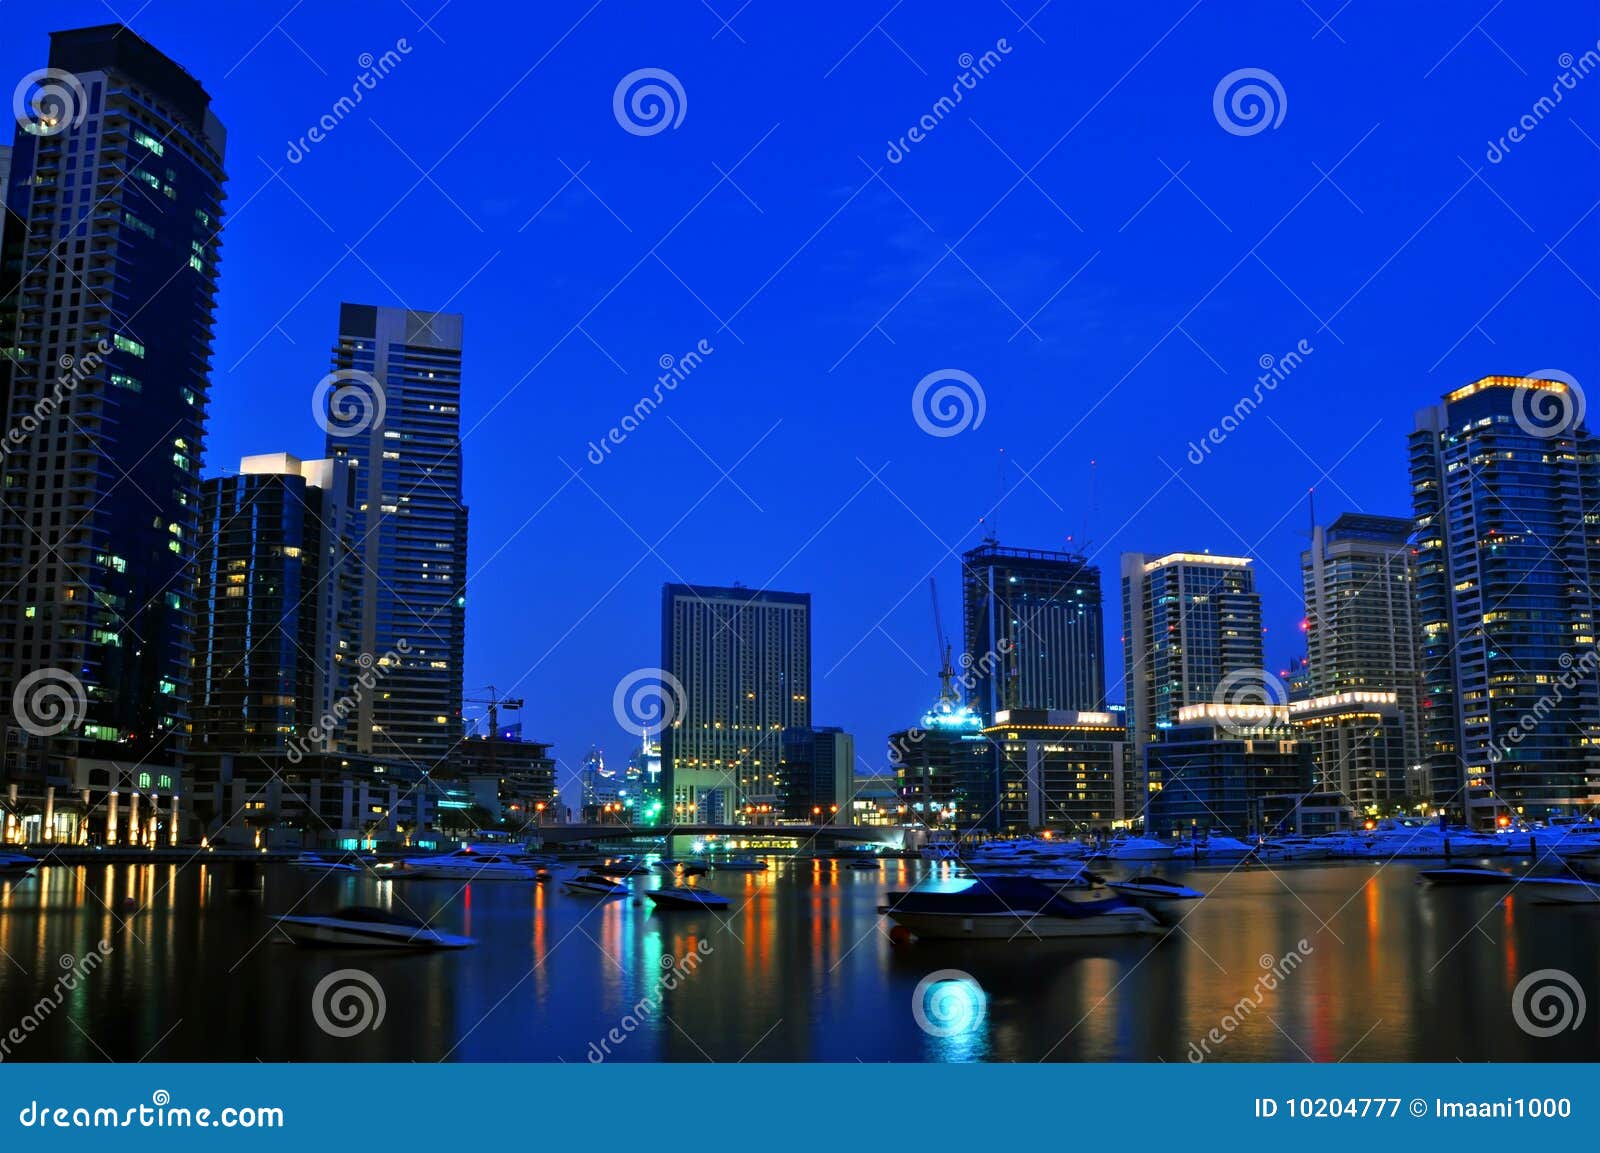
(816, 774)
(108, 282)
(393, 412)
(1505, 483)
(945, 769)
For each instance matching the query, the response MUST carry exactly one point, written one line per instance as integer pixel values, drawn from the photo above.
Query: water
(801, 969)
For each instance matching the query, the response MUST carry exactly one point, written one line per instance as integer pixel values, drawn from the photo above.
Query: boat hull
(1025, 926)
(328, 932)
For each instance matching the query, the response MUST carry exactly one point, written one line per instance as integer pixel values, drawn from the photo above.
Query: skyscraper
(1361, 624)
(1191, 633)
(1035, 633)
(1505, 484)
(742, 658)
(392, 409)
(110, 279)
(817, 771)
(276, 598)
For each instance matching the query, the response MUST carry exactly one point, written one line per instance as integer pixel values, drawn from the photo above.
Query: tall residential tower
(1505, 484)
(393, 412)
(107, 299)
(742, 658)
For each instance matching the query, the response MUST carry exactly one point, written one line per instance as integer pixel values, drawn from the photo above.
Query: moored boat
(1163, 897)
(322, 864)
(1140, 849)
(1466, 876)
(678, 897)
(1014, 908)
(467, 865)
(594, 885)
(360, 927)
(15, 864)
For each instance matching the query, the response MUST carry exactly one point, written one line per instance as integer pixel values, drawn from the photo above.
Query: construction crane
(495, 703)
(946, 672)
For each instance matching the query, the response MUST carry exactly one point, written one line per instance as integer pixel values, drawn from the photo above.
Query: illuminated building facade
(743, 659)
(108, 281)
(1233, 769)
(1034, 630)
(409, 524)
(1357, 745)
(1191, 627)
(1361, 621)
(1063, 770)
(1506, 491)
(945, 769)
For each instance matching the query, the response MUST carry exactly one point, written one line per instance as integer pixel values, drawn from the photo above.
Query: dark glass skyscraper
(275, 598)
(1035, 631)
(1505, 484)
(393, 411)
(110, 279)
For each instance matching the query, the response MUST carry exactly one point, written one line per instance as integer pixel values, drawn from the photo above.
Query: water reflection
(799, 968)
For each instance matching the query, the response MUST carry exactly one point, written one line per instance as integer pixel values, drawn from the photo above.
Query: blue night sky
(1079, 234)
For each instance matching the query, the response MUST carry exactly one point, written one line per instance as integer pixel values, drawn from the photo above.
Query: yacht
(357, 926)
(323, 865)
(594, 885)
(1466, 876)
(467, 865)
(15, 864)
(687, 898)
(1140, 849)
(1014, 908)
(1297, 849)
(1162, 897)
(1214, 847)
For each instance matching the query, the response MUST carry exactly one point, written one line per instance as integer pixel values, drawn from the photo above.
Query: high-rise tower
(1505, 484)
(392, 407)
(106, 300)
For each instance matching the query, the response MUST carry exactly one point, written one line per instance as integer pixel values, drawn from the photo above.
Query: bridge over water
(892, 836)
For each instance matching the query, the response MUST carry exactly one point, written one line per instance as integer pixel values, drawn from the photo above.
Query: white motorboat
(687, 898)
(321, 864)
(739, 865)
(467, 865)
(360, 927)
(1297, 849)
(1163, 897)
(594, 885)
(1214, 847)
(1140, 849)
(1014, 909)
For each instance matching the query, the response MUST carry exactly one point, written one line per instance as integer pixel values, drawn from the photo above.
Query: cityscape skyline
(1330, 404)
